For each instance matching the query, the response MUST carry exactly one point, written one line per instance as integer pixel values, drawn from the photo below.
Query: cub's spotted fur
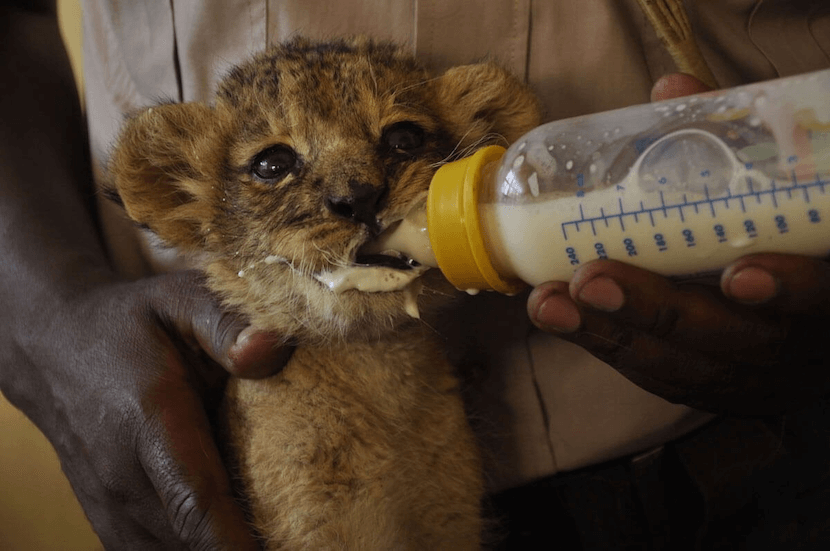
(309, 151)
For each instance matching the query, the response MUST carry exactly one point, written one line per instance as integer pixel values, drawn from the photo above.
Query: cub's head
(308, 153)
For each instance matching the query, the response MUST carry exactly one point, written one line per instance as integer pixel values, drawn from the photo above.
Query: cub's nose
(361, 204)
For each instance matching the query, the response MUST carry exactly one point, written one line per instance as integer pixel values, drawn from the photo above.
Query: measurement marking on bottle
(758, 193)
(709, 200)
(622, 213)
(694, 205)
(665, 208)
(751, 192)
(795, 186)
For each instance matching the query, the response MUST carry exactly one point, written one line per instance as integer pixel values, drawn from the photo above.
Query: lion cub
(309, 152)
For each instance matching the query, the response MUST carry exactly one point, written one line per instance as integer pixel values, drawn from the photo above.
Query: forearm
(49, 240)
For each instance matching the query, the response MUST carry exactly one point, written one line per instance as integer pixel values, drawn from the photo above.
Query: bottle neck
(490, 217)
(454, 222)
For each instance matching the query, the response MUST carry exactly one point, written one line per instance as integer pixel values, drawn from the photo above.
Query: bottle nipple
(409, 237)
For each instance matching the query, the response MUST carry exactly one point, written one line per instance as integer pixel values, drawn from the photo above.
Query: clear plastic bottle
(680, 187)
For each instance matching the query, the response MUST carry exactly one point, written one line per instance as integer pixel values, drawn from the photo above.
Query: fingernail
(243, 337)
(602, 293)
(751, 285)
(557, 312)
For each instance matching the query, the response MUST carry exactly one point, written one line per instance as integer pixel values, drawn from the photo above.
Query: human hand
(750, 347)
(121, 377)
(123, 380)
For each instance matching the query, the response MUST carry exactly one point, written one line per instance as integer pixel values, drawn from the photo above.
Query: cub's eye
(274, 163)
(403, 136)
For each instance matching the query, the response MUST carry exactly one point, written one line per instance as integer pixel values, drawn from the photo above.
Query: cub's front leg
(361, 447)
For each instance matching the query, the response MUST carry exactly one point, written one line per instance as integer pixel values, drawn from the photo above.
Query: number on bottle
(720, 232)
(629, 246)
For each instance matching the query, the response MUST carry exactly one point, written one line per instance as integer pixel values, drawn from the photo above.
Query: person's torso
(547, 405)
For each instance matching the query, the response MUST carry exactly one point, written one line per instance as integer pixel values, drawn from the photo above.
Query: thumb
(790, 284)
(194, 313)
(181, 459)
(677, 85)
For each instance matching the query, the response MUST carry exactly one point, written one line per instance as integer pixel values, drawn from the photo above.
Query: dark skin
(754, 345)
(121, 377)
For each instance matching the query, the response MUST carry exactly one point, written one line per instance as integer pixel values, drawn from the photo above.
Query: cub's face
(309, 152)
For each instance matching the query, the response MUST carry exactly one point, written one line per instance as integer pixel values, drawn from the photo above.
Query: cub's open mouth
(373, 273)
(379, 268)
(387, 259)
(402, 245)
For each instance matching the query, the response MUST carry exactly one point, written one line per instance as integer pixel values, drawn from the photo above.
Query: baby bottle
(681, 187)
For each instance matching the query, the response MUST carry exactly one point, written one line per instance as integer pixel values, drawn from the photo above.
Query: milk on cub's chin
(377, 279)
(408, 236)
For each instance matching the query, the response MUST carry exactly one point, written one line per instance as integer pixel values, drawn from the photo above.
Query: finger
(649, 343)
(255, 354)
(676, 85)
(116, 530)
(112, 484)
(694, 316)
(789, 284)
(194, 313)
(117, 524)
(651, 363)
(118, 527)
(183, 463)
(551, 308)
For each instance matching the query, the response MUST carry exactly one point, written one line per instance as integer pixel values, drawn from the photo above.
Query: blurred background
(38, 510)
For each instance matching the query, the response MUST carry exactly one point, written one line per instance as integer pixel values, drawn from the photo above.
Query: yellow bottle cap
(455, 228)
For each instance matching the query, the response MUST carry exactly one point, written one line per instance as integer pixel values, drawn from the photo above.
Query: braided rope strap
(669, 19)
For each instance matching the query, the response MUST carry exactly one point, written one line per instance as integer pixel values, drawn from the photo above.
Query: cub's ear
(485, 99)
(164, 168)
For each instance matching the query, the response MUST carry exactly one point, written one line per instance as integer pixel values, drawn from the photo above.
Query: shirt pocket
(794, 36)
(132, 47)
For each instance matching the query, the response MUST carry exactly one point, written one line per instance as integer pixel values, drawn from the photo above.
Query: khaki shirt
(545, 405)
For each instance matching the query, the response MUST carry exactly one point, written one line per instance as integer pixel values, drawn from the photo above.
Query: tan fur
(361, 441)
